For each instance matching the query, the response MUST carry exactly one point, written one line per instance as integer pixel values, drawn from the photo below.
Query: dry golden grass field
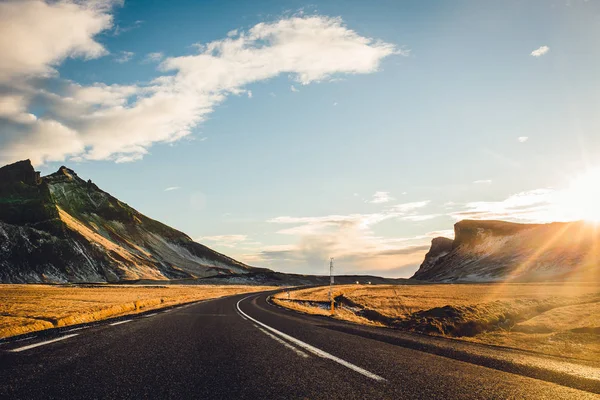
(27, 308)
(553, 318)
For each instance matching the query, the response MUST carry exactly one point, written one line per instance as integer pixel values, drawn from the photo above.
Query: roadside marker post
(331, 285)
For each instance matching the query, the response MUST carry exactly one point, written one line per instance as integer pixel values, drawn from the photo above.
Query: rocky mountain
(61, 228)
(440, 246)
(497, 251)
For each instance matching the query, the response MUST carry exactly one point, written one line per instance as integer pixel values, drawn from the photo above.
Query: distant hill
(484, 251)
(60, 228)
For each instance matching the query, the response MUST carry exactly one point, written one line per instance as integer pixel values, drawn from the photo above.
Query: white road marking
(312, 349)
(120, 322)
(31, 346)
(149, 315)
(77, 329)
(286, 344)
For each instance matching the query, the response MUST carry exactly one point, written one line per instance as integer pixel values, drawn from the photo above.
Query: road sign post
(331, 285)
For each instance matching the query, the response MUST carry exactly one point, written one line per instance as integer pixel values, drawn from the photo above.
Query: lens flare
(582, 198)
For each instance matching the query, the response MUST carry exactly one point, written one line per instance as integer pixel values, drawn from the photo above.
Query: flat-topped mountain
(61, 228)
(498, 250)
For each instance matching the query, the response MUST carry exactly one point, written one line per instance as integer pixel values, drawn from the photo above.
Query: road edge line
(316, 351)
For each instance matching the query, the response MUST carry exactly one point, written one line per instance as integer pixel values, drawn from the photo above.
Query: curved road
(242, 347)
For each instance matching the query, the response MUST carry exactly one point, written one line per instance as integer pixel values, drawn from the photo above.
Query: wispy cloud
(523, 139)
(124, 56)
(293, 88)
(540, 51)
(308, 48)
(120, 29)
(351, 239)
(380, 197)
(539, 205)
(171, 188)
(154, 57)
(406, 208)
(483, 182)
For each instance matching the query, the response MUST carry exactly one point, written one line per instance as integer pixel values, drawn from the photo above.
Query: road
(242, 347)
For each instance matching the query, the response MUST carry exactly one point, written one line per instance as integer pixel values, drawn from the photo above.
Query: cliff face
(497, 251)
(440, 246)
(60, 228)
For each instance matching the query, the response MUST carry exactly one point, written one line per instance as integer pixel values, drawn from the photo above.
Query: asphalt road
(241, 347)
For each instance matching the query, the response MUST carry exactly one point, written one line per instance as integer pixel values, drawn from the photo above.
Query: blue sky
(352, 129)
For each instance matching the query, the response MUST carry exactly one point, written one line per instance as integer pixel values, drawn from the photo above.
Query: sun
(583, 196)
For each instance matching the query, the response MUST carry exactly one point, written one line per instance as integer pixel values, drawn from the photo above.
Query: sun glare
(583, 196)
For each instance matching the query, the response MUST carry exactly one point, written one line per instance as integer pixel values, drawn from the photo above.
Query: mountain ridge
(61, 228)
(490, 251)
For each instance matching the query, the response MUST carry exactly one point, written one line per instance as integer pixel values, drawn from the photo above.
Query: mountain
(496, 251)
(61, 228)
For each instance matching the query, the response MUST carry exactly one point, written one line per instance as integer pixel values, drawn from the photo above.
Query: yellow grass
(341, 313)
(555, 318)
(27, 308)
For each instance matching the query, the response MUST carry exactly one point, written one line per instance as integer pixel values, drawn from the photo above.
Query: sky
(283, 133)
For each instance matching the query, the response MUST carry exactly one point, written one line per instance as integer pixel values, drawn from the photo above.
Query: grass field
(554, 318)
(27, 308)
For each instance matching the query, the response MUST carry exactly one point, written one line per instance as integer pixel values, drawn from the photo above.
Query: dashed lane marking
(120, 322)
(31, 346)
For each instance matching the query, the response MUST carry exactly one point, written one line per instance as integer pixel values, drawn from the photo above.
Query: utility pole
(331, 285)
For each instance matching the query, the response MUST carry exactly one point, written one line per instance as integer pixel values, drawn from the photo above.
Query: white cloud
(154, 57)
(97, 95)
(293, 88)
(14, 108)
(349, 238)
(249, 93)
(380, 197)
(118, 30)
(410, 207)
(539, 205)
(523, 139)
(35, 36)
(171, 188)
(51, 140)
(124, 56)
(578, 201)
(126, 120)
(540, 51)
(483, 182)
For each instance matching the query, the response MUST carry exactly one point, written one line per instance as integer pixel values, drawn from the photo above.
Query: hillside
(496, 251)
(60, 228)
